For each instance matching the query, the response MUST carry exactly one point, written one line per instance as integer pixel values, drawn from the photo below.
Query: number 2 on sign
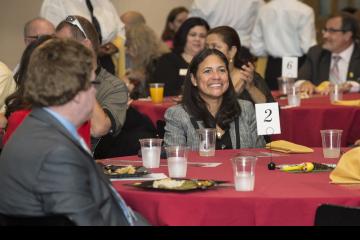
(267, 118)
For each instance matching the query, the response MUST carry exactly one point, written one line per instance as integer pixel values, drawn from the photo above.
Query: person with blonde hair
(144, 47)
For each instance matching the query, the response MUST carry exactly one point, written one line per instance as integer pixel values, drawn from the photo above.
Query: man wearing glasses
(37, 27)
(337, 60)
(34, 29)
(112, 95)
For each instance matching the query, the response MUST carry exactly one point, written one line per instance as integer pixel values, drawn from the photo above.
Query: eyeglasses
(332, 30)
(73, 21)
(95, 82)
(33, 37)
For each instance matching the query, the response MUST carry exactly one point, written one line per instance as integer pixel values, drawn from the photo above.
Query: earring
(231, 60)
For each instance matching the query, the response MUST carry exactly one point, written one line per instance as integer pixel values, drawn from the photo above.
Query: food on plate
(168, 183)
(126, 170)
(114, 170)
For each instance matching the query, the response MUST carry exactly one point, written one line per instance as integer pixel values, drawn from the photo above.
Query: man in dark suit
(45, 168)
(337, 60)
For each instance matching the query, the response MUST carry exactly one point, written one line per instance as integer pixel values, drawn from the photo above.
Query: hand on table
(344, 87)
(307, 87)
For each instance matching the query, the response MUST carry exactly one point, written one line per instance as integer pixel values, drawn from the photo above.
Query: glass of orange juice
(157, 92)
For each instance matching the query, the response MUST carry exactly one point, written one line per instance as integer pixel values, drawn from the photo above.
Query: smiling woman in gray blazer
(209, 101)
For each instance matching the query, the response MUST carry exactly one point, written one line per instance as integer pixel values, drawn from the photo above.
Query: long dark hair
(231, 38)
(15, 101)
(181, 35)
(196, 106)
(168, 34)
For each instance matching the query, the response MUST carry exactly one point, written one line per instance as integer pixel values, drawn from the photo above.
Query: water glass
(177, 161)
(207, 141)
(285, 84)
(335, 92)
(150, 152)
(331, 142)
(244, 173)
(293, 96)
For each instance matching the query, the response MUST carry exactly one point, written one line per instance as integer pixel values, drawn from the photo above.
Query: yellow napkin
(288, 147)
(348, 168)
(352, 103)
(322, 86)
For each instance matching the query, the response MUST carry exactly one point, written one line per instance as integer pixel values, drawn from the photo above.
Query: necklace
(219, 132)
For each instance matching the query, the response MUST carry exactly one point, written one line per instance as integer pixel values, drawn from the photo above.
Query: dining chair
(337, 215)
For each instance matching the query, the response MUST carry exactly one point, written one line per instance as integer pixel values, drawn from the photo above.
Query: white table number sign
(267, 118)
(290, 67)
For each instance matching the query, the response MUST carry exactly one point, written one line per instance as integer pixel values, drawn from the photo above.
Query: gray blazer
(44, 170)
(180, 131)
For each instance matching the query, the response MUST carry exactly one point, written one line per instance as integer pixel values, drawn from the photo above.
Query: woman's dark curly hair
(197, 107)
(16, 100)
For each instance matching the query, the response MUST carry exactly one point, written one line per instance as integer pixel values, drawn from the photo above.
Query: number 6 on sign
(267, 118)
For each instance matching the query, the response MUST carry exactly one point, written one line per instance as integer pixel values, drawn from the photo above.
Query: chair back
(335, 215)
(53, 220)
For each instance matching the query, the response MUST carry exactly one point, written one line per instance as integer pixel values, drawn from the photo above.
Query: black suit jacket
(317, 65)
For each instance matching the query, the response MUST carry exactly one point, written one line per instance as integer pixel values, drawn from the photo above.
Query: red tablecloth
(301, 125)
(154, 111)
(279, 198)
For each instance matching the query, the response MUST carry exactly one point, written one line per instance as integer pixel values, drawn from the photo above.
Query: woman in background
(173, 22)
(249, 85)
(209, 101)
(171, 68)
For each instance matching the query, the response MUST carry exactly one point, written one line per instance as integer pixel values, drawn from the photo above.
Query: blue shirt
(63, 121)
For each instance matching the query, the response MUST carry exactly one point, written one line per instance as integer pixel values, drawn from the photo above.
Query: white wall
(14, 13)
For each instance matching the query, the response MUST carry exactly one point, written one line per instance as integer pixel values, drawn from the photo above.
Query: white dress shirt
(111, 26)
(239, 15)
(284, 28)
(7, 85)
(343, 65)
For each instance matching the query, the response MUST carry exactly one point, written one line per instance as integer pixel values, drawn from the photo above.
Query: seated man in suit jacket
(45, 168)
(337, 60)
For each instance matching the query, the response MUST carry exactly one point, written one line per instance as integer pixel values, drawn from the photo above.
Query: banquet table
(300, 125)
(155, 111)
(279, 198)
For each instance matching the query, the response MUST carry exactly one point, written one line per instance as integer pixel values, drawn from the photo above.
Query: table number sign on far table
(289, 67)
